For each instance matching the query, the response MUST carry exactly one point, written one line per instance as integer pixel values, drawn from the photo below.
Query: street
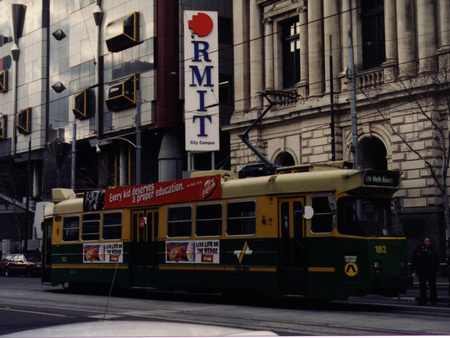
(26, 304)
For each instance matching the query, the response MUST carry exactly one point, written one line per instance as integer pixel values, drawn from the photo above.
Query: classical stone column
(268, 53)
(331, 28)
(241, 55)
(426, 35)
(406, 38)
(444, 36)
(345, 23)
(390, 31)
(303, 31)
(256, 55)
(444, 29)
(315, 48)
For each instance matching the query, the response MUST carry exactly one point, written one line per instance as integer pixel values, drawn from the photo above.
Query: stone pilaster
(268, 54)
(406, 38)
(331, 28)
(426, 35)
(256, 55)
(315, 48)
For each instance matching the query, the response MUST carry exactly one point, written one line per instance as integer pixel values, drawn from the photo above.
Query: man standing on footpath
(425, 262)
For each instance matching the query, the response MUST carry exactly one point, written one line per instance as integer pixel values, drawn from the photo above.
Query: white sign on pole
(201, 55)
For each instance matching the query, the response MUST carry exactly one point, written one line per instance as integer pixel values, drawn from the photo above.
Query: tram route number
(380, 249)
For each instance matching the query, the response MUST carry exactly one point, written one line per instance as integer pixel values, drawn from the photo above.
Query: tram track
(309, 322)
(291, 316)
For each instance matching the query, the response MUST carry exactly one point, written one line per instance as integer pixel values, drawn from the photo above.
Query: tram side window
(71, 228)
(322, 221)
(179, 221)
(241, 218)
(112, 225)
(91, 227)
(208, 220)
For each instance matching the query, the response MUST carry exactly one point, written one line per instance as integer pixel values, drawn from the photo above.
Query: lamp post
(98, 143)
(138, 137)
(354, 148)
(74, 152)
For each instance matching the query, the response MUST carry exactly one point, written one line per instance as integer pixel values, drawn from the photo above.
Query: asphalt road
(26, 304)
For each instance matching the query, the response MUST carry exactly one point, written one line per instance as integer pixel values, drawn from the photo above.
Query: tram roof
(285, 181)
(300, 182)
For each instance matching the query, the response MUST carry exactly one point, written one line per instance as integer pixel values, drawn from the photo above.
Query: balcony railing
(370, 78)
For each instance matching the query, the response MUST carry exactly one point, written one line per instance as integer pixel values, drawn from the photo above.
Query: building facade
(92, 97)
(299, 54)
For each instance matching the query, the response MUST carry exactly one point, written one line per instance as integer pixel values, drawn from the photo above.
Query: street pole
(138, 137)
(27, 204)
(74, 152)
(333, 145)
(354, 147)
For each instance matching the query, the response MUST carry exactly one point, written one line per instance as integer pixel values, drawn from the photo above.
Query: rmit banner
(201, 55)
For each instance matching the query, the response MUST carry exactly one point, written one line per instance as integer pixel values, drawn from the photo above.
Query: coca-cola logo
(209, 186)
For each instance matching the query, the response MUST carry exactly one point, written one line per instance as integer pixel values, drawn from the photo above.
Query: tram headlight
(377, 267)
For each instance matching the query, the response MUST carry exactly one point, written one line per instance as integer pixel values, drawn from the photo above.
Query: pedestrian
(425, 262)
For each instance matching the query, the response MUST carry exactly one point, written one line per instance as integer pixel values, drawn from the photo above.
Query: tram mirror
(398, 202)
(308, 212)
(332, 202)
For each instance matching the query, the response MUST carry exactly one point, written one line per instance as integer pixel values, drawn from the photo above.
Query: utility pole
(138, 137)
(74, 152)
(354, 147)
(27, 205)
(333, 143)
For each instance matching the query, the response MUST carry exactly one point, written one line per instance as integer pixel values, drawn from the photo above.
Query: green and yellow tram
(323, 231)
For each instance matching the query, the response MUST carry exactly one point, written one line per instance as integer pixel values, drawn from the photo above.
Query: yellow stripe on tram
(219, 268)
(321, 269)
(89, 266)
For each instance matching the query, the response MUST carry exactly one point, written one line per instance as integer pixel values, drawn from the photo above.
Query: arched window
(284, 159)
(372, 153)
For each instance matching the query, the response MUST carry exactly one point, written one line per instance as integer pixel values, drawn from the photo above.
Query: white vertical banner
(201, 64)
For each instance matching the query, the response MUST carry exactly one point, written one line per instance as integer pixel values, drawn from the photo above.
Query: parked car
(24, 264)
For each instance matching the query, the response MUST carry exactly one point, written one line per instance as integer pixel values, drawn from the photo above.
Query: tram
(321, 231)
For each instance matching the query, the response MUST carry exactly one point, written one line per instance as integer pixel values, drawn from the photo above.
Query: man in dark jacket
(425, 262)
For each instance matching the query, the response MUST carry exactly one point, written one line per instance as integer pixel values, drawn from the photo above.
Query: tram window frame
(71, 233)
(179, 224)
(242, 220)
(90, 227)
(210, 223)
(323, 215)
(112, 231)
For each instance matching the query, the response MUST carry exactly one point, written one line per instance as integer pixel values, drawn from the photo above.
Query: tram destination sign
(185, 190)
(385, 179)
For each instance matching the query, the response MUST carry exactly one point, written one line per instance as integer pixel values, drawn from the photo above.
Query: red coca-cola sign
(209, 186)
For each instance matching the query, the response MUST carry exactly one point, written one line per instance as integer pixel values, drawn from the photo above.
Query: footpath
(442, 291)
(412, 295)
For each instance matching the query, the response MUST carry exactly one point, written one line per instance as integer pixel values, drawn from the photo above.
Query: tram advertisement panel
(189, 189)
(103, 253)
(193, 252)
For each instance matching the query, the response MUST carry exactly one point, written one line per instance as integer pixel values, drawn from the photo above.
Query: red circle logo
(201, 24)
(209, 186)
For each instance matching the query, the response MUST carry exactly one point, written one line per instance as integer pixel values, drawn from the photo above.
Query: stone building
(400, 52)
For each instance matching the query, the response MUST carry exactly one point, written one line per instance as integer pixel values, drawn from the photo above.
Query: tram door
(46, 250)
(144, 246)
(292, 245)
